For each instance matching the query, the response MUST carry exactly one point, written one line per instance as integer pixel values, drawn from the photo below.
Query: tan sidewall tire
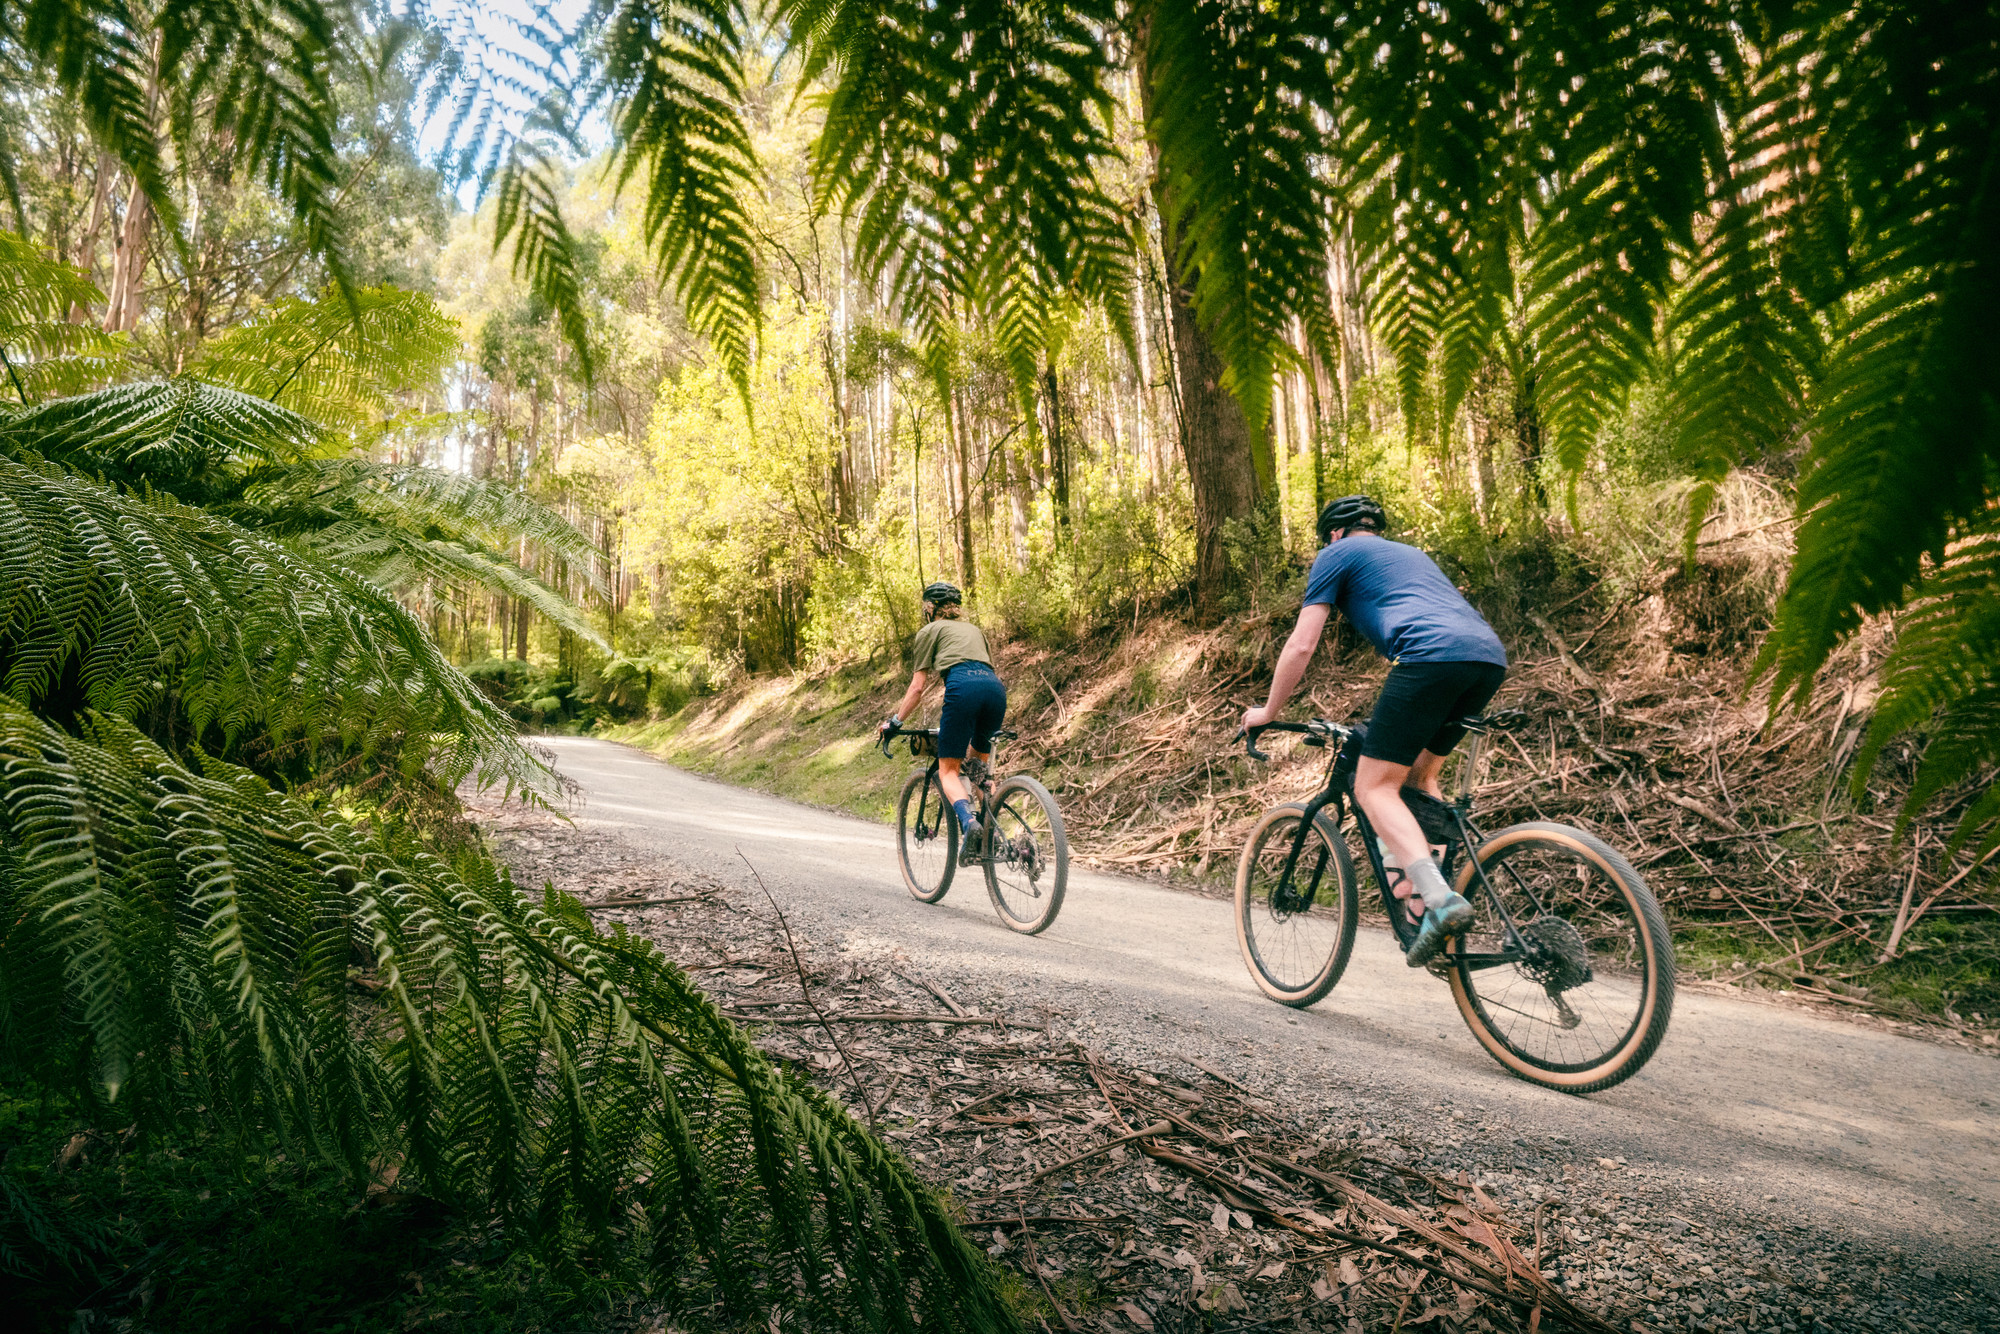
(902, 832)
(1060, 882)
(1350, 908)
(1657, 1006)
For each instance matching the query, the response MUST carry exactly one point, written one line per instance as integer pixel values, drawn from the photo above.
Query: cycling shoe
(972, 844)
(1450, 918)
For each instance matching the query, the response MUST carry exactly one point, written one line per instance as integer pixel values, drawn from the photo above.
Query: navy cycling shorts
(1421, 707)
(975, 704)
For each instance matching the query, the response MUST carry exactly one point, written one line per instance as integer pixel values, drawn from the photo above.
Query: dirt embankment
(1640, 728)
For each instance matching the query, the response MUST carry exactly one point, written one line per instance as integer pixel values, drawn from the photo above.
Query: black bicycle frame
(930, 775)
(1335, 793)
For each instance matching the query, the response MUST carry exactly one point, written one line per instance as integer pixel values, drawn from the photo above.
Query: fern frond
(1906, 438)
(569, 1089)
(672, 73)
(257, 70)
(966, 138)
(97, 54)
(46, 354)
(181, 435)
(112, 598)
(306, 497)
(1943, 677)
(337, 359)
(416, 568)
(1236, 91)
(528, 208)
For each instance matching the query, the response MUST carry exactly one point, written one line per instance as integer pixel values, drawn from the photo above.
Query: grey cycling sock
(1429, 883)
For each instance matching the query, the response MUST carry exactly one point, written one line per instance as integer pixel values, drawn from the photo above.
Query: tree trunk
(968, 567)
(128, 264)
(1058, 447)
(1216, 441)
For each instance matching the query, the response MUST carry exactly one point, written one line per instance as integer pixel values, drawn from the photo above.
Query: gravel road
(1753, 1118)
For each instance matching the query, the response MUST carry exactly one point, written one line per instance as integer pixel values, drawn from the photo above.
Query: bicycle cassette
(1562, 961)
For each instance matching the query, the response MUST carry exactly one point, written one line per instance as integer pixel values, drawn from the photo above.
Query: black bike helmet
(942, 594)
(1351, 512)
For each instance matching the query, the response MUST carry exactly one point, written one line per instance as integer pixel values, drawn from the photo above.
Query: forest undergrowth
(1641, 728)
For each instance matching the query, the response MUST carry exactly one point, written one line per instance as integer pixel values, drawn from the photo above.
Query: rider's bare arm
(919, 682)
(1293, 660)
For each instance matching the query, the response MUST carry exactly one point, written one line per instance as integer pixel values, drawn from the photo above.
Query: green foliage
(336, 360)
(410, 531)
(740, 514)
(966, 138)
(44, 352)
(178, 943)
(1234, 93)
(256, 71)
(1943, 677)
(120, 603)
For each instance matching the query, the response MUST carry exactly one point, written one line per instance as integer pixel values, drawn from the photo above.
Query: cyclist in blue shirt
(1445, 664)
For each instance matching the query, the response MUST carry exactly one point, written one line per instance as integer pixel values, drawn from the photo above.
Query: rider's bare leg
(1424, 774)
(949, 779)
(953, 781)
(1378, 787)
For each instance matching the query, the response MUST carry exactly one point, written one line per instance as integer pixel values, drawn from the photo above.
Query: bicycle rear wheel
(926, 838)
(1295, 943)
(1593, 1004)
(1027, 855)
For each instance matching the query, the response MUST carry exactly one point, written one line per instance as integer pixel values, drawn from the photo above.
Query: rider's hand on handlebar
(1257, 717)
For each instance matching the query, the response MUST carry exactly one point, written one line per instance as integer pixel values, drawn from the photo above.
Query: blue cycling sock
(964, 809)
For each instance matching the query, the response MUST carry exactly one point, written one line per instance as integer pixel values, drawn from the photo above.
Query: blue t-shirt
(1401, 602)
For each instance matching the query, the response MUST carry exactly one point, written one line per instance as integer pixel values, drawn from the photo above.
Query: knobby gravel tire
(1296, 958)
(1632, 957)
(917, 850)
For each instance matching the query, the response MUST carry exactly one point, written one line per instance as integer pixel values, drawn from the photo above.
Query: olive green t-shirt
(943, 644)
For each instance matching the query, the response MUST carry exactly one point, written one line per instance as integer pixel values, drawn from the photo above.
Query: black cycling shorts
(1422, 704)
(975, 704)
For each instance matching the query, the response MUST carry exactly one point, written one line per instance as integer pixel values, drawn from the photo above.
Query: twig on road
(805, 989)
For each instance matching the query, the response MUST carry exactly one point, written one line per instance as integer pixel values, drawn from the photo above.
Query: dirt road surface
(1752, 1109)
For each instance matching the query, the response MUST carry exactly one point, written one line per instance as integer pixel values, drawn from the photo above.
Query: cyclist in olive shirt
(975, 702)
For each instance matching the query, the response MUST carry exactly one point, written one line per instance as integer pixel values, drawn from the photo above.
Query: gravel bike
(1026, 857)
(1567, 974)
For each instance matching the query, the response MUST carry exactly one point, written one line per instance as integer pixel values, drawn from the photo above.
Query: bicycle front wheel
(1295, 938)
(926, 838)
(1588, 1003)
(1027, 855)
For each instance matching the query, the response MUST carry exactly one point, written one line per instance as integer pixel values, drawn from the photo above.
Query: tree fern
(966, 140)
(1235, 95)
(44, 353)
(181, 436)
(255, 70)
(1943, 678)
(335, 360)
(1907, 433)
(572, 1088)
(119, 602)
(402, 528)
(1744, 348)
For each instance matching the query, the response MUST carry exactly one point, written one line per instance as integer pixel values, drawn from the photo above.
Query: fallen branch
(646, 903)
(805, 989)
(1157, 1128)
